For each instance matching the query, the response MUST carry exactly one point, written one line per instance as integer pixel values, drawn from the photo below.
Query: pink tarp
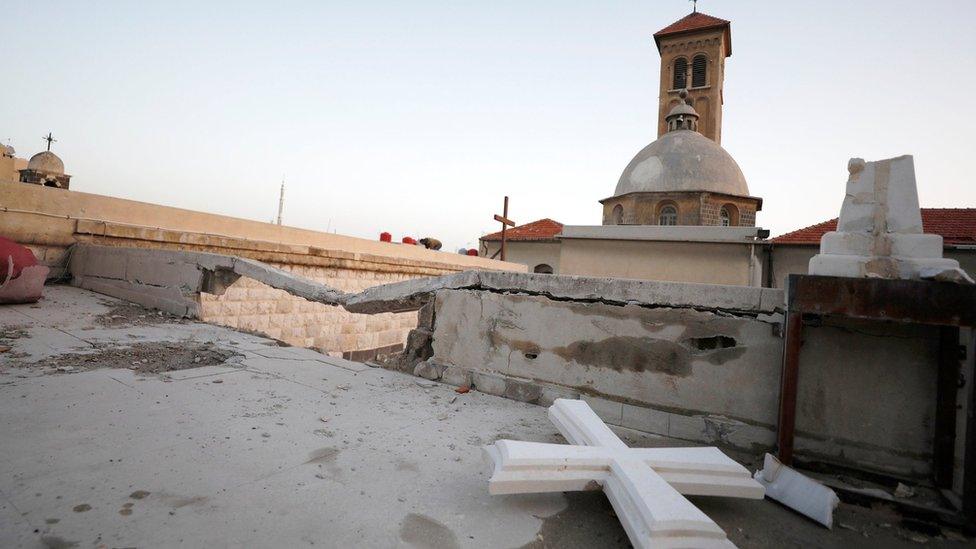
(21, 278)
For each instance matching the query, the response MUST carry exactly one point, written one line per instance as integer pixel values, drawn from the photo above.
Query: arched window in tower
(729, 216)
(668, 216)
(699, 71)
(680, 73)
(542, 268)
(618, 215)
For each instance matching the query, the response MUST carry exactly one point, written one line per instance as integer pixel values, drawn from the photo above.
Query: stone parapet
(51, 221)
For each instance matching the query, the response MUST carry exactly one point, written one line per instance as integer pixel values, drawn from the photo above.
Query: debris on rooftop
(797, 491)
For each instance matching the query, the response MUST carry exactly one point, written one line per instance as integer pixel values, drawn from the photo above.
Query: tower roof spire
(697, 21)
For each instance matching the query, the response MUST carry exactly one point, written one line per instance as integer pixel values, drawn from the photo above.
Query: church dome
(46, 161)
(683, 160)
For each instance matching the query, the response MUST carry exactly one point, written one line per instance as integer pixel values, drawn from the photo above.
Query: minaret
(693, 51)
(281, 201)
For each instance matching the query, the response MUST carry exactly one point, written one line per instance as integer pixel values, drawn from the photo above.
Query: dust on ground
(132, 314)
(8, 333)
(145, 358)
(13, 331)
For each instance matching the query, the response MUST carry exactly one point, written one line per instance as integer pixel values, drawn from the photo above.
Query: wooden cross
(506, 222)
(50, 139)
(644, 485)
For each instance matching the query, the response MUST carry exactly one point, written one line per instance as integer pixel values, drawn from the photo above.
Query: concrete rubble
(879, 233)
(797, 491)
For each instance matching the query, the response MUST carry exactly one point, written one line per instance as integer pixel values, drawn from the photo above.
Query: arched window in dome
(617, 217)
(729, 216)
(699, 71)
(668, 215)
(542, 268)
(680, 73)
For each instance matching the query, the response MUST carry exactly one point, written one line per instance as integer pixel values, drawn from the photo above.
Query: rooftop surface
(124, 427)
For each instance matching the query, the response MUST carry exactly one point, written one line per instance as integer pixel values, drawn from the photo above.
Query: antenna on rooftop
(281, 199)
(694, 6)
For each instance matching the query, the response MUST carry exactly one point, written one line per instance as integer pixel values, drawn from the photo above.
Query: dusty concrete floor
(283, 447)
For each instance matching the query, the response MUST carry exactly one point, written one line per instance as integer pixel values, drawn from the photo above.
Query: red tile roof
(693, 22)
(543, 229)
(955, 225)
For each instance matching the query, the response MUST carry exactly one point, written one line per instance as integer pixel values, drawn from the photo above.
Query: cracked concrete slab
(291, 451)
(411, 294)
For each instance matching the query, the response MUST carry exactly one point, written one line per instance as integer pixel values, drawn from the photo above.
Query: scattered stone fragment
(81, 508)
(952, 535)
(343, 387)
(5, 348)
(139, 494)
(798, 491)
(425, 383)
(324, 419)
(904, 491)
(462, 389)
(453, 399)
(217, 381)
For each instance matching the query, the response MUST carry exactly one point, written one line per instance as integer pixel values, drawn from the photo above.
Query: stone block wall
(744, 210)
(250, 305)
(694, 208)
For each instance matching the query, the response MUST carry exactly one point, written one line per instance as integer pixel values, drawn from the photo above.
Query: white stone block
(879, 233)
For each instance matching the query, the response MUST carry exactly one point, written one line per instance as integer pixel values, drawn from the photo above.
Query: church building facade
(681, 209)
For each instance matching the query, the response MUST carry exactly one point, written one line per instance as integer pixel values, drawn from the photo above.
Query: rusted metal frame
(910, 301)
(788, 386)
(969, 459)
(944, 443)
(945, 304)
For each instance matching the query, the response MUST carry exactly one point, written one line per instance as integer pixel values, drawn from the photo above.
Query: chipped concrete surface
(288, 447)
(411, 294)
(670, 358)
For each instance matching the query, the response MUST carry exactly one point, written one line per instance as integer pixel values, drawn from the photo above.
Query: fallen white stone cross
(644, 485)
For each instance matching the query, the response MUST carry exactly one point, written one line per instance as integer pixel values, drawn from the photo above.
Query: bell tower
(693, 51)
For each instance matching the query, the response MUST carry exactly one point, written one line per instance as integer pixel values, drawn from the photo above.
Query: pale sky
(417, 117)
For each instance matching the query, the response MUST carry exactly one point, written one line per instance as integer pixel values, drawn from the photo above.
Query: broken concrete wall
(295, 304)
(703, 373)
(50, 221)
(671, 371)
